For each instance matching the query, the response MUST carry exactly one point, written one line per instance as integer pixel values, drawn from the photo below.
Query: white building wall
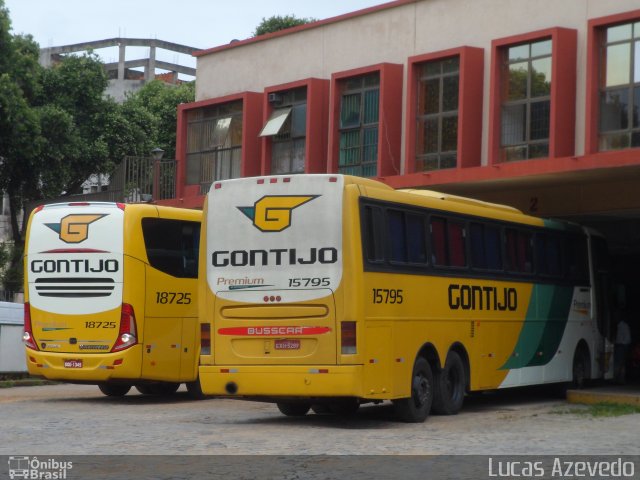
(392, 35)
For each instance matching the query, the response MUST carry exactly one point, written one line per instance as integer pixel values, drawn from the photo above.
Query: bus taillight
(27, 336)
(205, 339)
(348, 338)
(127, 335)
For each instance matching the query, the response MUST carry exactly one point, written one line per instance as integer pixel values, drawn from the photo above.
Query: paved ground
(76, 419)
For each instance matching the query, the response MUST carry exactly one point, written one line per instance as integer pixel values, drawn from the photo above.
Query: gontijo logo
(272, 213)
(74, 228)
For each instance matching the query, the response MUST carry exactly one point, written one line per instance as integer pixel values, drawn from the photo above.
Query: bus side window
(457, 251)
(485, 247)
(438, 241)
(519, 251)
(397, 236)
(416, 238)
(172, 246)
(371, 230)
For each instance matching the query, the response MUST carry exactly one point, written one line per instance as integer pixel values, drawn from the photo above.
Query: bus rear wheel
(114, 390)
(416, 408)
(293, 409)
(195, 389)
(581, 370)
(449, 386)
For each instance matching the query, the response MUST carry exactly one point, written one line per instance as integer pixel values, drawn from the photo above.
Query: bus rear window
(172, 246)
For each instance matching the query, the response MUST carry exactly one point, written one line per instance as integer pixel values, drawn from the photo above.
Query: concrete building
(123, 76)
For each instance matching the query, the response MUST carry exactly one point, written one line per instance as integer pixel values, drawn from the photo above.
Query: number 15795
(387, 295)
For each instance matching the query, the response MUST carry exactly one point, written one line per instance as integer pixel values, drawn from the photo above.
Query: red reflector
(109, 367)
(117, 362)
(217, 186)
(260, 181)
(224, 370)
(286, 180)
(33, 360)
(323, 370)
(333, 179)
(273, 180)
(121, 206)
(27, 337)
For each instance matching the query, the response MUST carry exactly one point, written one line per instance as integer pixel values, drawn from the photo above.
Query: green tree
(279, 22)
(157, 102)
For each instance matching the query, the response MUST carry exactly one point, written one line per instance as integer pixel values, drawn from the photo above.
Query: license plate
(287, 344)
(73, 364)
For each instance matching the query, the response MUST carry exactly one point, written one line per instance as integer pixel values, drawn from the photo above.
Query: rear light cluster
(205, 339)
(348, 338)
(127, 336)
(27, 336)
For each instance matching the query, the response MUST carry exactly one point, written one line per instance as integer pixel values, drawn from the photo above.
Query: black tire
(320, 409)
(416, 408)
(145, 389)
(450, 386)
(114, 389)
(195, 389)
(581, 370)
(293, 409)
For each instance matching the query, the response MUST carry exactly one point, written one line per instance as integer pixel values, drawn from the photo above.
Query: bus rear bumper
(282, 381)
(90, 368)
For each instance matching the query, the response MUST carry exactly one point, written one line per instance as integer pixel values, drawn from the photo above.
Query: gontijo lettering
(477, 297)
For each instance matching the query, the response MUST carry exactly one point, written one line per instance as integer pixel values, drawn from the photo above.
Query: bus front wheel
(416, 408)
(114, 390)
(293, 409)
(449, 386)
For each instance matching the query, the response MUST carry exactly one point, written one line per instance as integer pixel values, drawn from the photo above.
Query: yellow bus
(329, 291)
(111, 296)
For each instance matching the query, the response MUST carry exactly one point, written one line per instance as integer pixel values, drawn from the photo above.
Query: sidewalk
(628, 394)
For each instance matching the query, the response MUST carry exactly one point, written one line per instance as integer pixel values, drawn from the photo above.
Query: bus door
(169, 341)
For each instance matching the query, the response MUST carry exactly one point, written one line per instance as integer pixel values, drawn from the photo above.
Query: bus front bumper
(90, 368)
(282, 381)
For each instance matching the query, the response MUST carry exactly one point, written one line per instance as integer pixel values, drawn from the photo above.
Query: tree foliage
(159, 102)
(279, 22)
(57, 127)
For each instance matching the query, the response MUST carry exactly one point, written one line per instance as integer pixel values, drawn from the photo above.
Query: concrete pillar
(150, 71)
(121, 61)
(45, 57)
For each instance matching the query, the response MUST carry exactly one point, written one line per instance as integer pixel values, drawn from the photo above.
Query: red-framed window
(532, 107)
(613, 83)
(294, 130)
(365, 121)
(444, 109)
(217, 139)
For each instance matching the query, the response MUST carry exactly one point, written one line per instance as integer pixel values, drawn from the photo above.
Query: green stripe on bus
(543, 327)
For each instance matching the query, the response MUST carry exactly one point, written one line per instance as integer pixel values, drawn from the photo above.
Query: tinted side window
(485, 247)
(371, 239)
(172, 246)
(519, 251)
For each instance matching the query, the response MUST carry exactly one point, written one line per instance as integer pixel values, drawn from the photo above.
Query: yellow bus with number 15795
(329, 291)
(111, 296)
